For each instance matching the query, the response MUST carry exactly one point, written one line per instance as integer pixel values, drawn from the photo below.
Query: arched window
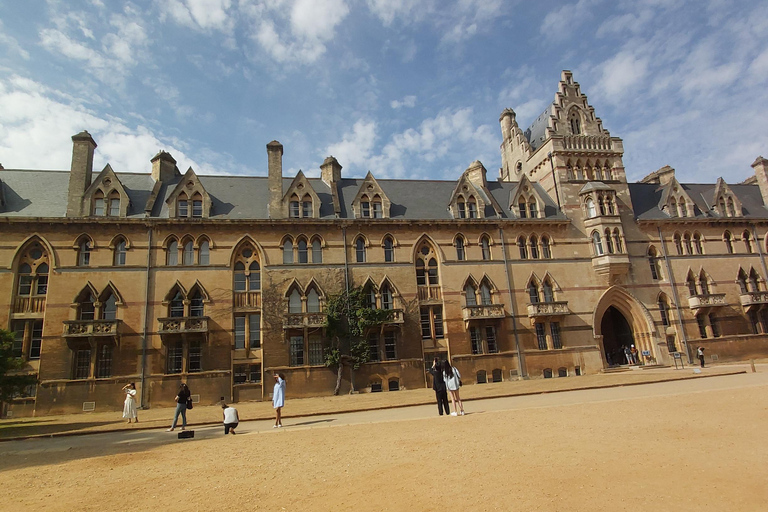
(610, 203)
(33, 271)
(114, 204)
(313, 301)
(742, 280)
(306, 206)
(432, 271)
(687, 243)
(317, 251)
(294, 301)
(546, 288)
(690, 281)
(470, 293)
(754, 281)
(533, 242)
(597, 243)
(682, 207)
(182, 206)
(176, 307)
(546, 252)
(672, 207)
(203, 255)
(254, 277)
(472, 208)
(189, 253)
(197, 206)
(617, 241)
(288, 251)
(459, 243)
(86, 308)
(172, 257)
(485, 294)
(360, 250)
(462, 208)
(294, 210)
(378, 210)
(703, 283)
(109, 307)
(365, 207)
(98, 204)
(523, 209)
(389, 250)
(653, 263)
(533, 292)
(731, 208)
(608, 241)
(697, 246)
(240, 278)
(522, 247)
(303, 255)
(728, 239)
(120, 253)
(575, 123)
(664, 310)
(421, 277)
(747, 241)
(84, 253)
(601, 205)
(532, 209)
(485, 245)
(370, 296)
(196, 307)
(678, 243)
(590, 204)
(247, 276)
(386, 297)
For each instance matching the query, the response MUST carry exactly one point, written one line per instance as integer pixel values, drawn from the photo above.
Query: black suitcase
(186, 434)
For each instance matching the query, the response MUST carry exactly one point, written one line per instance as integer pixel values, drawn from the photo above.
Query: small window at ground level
(482, 378)
(577, 370)
(547, 373)
(496, 375)
(562, 372)
(376, 386)
(394, 385)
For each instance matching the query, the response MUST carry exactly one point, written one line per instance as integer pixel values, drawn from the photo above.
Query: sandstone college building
(549, 271)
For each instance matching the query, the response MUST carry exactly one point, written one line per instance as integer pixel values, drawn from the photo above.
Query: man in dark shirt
(438, 384)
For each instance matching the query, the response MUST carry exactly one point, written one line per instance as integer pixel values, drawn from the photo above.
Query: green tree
(11, 385)
(349, 319)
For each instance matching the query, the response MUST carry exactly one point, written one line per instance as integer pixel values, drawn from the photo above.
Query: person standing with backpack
(452, 379)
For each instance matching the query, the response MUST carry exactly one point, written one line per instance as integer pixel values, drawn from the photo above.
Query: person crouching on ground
(452, 379)
(231, 418)
(438, 384)
(129, 406)
(182, 397)
(278, 399)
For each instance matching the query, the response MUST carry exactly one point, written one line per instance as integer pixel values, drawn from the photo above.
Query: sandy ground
(685, 446)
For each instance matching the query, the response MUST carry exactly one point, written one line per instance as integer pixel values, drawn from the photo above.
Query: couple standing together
(445, 378)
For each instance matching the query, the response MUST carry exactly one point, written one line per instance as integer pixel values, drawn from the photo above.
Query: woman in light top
(129, 406)
(452, 379)
(278, 399)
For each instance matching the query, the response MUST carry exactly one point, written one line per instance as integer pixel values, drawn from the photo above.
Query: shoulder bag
(189, 403)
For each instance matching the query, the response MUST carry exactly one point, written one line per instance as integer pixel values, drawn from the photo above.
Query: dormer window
(183, 208)
(523, 209)
(300, 207)
(472, 208)
(306, 208)
(197, 208)
(462, 209)
(114, 204)
(365, 207)
(294, 209)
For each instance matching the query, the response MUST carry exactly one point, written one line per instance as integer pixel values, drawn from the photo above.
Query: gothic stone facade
(548, 271)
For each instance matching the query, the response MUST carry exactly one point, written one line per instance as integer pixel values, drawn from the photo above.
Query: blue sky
(403, 88)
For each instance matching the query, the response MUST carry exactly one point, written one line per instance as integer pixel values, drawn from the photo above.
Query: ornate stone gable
(99, 197)
(675, 201)
(370, 200)
(724, 201)
(467, 200)
(525, 201)
(189, 199)
(299, 193)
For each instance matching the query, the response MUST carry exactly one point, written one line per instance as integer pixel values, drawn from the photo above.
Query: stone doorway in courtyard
(617, 334)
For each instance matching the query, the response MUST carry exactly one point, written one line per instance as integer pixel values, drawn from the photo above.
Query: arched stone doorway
(617, 334)
(620, 319)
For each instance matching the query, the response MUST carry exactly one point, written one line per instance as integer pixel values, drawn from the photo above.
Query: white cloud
(200, 14)
(408, 102)
(11, 43)
(36, 126)
(405, 10)
(356, 146)
(560, 23)
(621, 75)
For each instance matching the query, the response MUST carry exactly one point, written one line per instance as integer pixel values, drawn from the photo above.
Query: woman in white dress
(278, 399)
(129, 407)
(452, 379)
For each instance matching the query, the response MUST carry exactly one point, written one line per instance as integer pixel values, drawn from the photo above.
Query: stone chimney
(275, 165)
(476, 174)
(760, 166)
(80, 172)
(164, 167)
(660, 177)
(330, 171)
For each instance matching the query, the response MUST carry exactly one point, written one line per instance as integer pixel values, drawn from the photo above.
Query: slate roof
(537, 132)
(646, 197)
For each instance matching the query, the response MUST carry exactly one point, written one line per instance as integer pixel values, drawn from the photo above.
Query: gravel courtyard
(684, 446)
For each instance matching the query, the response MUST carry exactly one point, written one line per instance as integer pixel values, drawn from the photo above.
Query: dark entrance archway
(617, 334)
